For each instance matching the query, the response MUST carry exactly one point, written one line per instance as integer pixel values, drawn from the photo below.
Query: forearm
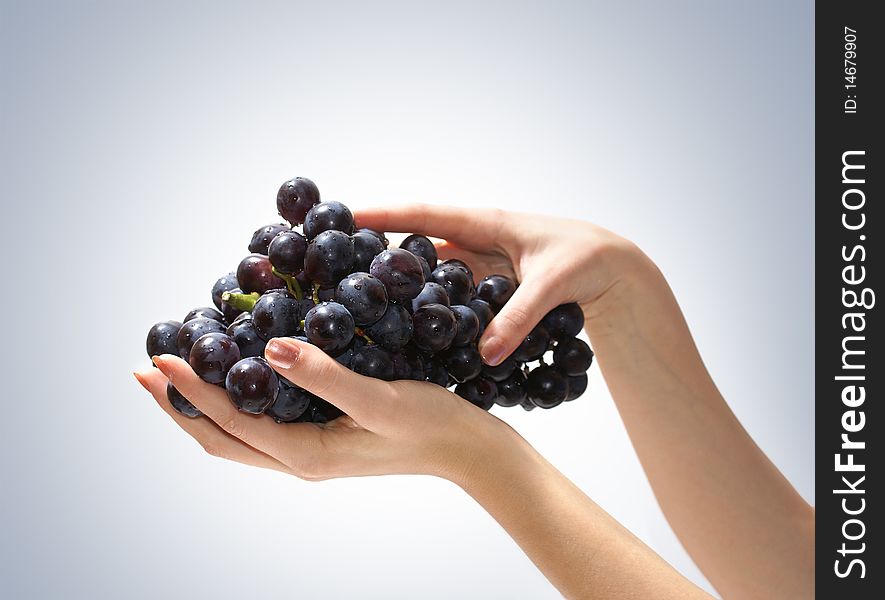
(741, 521)
(582, 550)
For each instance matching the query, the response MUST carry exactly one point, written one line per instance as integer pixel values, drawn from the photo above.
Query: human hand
(556, 261)
(390, 427)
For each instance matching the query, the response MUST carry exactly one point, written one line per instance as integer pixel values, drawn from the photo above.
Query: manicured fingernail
(163, 366)
(140, 379)
(282, 352)
(492, 352)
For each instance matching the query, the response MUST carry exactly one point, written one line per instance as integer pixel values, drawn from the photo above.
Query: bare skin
(744, 525)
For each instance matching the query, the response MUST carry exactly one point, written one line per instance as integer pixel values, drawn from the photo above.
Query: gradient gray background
(141, 146)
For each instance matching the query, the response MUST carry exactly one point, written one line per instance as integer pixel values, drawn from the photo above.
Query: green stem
(241, 301)
(362, 333)
(316, 293)
(291, 283)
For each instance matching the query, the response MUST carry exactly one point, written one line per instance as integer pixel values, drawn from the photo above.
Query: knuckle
(213, 450)
(516, 317)
(233, 425)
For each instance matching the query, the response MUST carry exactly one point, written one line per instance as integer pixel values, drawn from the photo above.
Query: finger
(205, 431)
(477, 228)
(525, 309)
(310, 368)
(258, 431)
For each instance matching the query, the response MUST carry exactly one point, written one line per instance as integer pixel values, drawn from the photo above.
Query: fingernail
(282, 352)
(140, 379)
(163, 366)
(492, 352)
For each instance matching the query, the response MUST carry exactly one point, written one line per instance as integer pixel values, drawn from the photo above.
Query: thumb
(525, 309)
(310, 368)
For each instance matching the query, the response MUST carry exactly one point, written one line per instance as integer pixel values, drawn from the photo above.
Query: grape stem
(241, 301)
(291, 283)
(316, 293)
(362, 333)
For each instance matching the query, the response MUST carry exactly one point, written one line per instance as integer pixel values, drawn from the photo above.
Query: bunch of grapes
(390, 313)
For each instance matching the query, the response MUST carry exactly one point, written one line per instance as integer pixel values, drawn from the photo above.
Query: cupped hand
(389, 427)
(555, 261)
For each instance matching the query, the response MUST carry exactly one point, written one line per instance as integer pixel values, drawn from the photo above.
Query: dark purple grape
(467, 325)
(329, 257)
(212, 356)
(276, 314)
(457, 282)
(193, 330)
(408, 364)
(420, 245)
(573, 356)
(511, 391)
(328, 216)
(484, 313)
(400, 272)
(577, 385)
(262, 238)
(501, 371)
(434, 327)
(527, 404)
(431, 293)
(180, 403)
(479, 391)
(330, 327)
(290, 404)
(373, 361)
(564, 321)
(247, 339)
(162, 338)
(346, 357)
(546, 387)
(496, 290)
(425, 268)
(393, 330)
(463, 363)
(435, 372)
(295, 198)
(458, 263)
(364, 296)
(533, 346)
(252, 385)
(286, 252)
(366, 247)
(255, 274)
(227, 283)
(326, 294)
(231, 313)
(320, 412)
(205, 312)
(378, 234)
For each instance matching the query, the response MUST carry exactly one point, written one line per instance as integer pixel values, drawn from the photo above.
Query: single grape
(366, 246)
(502, 371)
(457, 282)
(408, 364)
(573, 356)
(511, 391)
(319, 411)
(564, 321)
(346, 357)
(330, 327)
(467, 325)
(205, 312)
(180, 403)
(290, 404)
(496, 290)
(286, 252)
(431, 293)
(420, 245)
(276, 314)
(329, 257)
(255, 274)
(577, 385)
(454, 262)
(373, 361)
(546, 387)
(227, 283)
(400, 272)
(435, 372)
(252, 385)
(231, 313)
(434, 327)
(193, 330)
(479, 391)
(378, 234)
(295, 198)
(262, 238)
(247, 339)
(212, 356)
(533, 346)
(463, 363)
(328, 216)
(326, 294)
(527, 404)
(162, 338)
(364, 296)
(484, 313)
(393, 330)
